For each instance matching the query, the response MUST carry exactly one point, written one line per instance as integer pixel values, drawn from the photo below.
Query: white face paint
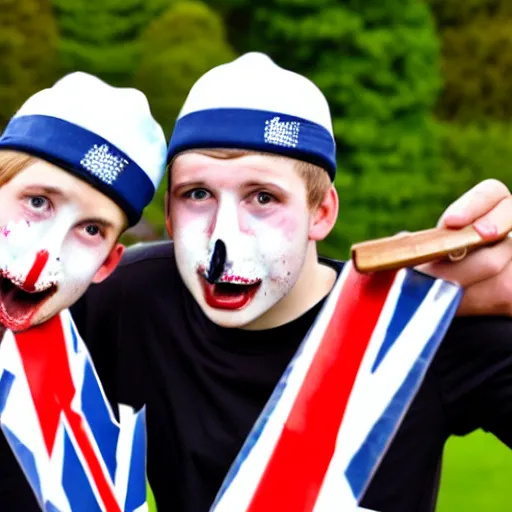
(261, 216)
(53, 240)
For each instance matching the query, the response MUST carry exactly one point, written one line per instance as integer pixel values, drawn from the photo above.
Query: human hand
(486, 272)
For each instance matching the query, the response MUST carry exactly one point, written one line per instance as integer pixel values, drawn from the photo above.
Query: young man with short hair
(201, 329)
(78, 163)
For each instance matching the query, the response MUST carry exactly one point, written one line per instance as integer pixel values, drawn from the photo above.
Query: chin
(54, 306)
(44, 315)
(229, 319)
(235, 318)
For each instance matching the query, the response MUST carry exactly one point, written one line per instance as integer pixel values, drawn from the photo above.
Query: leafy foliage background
(419, 90)
(420, 94)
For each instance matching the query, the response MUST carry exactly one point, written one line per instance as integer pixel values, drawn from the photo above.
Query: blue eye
(198, 194)
(38, 202)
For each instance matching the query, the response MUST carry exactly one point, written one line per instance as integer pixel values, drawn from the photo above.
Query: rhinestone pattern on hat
(103, 163)
(282, 133)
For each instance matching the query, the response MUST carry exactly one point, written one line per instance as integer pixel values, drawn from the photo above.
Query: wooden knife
(418, 247)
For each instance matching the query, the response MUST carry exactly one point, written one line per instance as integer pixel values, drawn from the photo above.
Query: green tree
(27, 52)
(477, 59)
(101, 36)
(378, 65)
(452, 13)
(178, 47)
(475, 152)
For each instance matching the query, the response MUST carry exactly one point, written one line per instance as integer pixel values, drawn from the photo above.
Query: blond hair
(12, 163)
(317, 182)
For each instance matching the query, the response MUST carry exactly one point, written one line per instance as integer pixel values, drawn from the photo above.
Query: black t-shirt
(204, 386)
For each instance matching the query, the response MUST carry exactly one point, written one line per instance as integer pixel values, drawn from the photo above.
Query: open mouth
(229, 294)
(18, 306)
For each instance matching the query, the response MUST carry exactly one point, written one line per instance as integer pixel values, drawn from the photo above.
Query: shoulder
(144, 253)
(147, 272)
(143, 263)
(335, 264)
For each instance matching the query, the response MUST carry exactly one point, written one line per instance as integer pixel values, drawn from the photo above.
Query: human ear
(324, 216)
(168, 223)
(110, 264)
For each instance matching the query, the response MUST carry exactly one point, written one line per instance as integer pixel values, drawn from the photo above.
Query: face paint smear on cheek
(79, 264)
(284, 226)
(37, 268)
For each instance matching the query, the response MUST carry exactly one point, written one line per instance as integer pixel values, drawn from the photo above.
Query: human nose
(217, 261)
(224, 235)
(226, 225)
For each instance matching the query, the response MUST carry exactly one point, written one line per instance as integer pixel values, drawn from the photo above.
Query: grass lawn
(476, 477)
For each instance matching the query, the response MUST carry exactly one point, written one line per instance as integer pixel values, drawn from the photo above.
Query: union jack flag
(59, 424)
(339, 403)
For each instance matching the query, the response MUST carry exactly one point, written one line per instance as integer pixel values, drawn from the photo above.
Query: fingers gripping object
(415, 248)
(217, 262)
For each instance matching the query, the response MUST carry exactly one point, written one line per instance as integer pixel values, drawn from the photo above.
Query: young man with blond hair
(78, 163)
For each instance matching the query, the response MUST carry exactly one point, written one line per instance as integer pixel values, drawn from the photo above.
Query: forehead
(47, 179)
(234, 168)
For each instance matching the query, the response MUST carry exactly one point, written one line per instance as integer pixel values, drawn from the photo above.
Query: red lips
(18, 306)
(228, 295)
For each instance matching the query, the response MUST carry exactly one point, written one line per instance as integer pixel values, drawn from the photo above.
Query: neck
(2, 331)
(314, 283)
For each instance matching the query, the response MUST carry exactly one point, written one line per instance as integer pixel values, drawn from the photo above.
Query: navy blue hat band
(270, 132)
(84, 153)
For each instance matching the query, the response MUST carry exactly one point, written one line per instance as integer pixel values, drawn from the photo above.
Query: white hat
(106, 135)
(251, 103)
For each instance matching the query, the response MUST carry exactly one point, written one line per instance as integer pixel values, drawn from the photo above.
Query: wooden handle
(415, 248)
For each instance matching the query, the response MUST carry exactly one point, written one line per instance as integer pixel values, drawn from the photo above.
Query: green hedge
(28, 38)
(177, 48)
(476, 59)
(102, 37)
(468, 155)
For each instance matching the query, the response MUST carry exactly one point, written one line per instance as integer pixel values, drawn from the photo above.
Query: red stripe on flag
(299, 462)
(45, 360)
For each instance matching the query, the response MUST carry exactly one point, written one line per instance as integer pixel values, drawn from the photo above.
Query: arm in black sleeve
(474, 370)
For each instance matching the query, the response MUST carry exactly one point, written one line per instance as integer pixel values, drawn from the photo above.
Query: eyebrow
(262, 183)
(247, 185)
(190, 183)
(52, 191)
(102, 222)
(46, 189)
